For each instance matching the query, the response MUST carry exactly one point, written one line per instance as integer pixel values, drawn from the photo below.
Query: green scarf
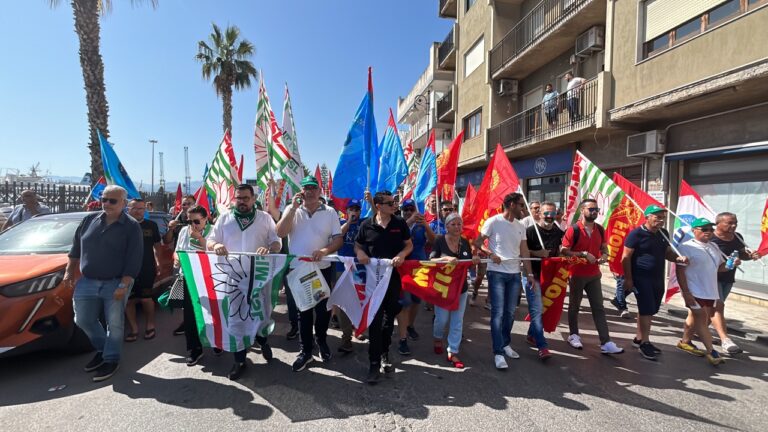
(244, 220)
(196, 244)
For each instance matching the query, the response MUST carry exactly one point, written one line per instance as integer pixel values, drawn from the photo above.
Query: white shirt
(183, 243)
(504, 239)
(20, 213)
(528, 221)
(574, 83)
(701, 272)
(311, 232)
(261, 233)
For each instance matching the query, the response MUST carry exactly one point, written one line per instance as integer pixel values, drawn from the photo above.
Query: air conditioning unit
(508, 87)
(590, 41)
(645, 144)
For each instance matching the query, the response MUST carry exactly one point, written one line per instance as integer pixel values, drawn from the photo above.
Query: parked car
(35, 306)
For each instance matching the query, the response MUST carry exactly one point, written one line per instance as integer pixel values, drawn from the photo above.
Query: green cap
(653, 208)
(701, 222)
(309, 181)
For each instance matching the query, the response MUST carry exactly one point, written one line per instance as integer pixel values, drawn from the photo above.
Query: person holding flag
(645, 249)
(349, 228)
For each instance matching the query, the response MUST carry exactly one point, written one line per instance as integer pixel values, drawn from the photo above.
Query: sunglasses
(535, 208)
(593, 209)
(550, 214)
(196, 221)
(112, 201)
(705, 229)
(388, 203)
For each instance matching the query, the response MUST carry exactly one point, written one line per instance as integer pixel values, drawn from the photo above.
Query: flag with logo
(114, 172)
(447, 166)
(360, 290)
(413, 168)
(469, 199)
(392, 166)
(555, 273)
(222, 176)
(763, 248)
(293, 171)
(271, 154)
(233, 296)
(439, 284)
(426, 180)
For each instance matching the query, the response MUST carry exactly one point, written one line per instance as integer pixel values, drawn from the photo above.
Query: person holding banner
(383, 236)
(245, 229)
(645, 249)
(449, 249)
(313, 229)
(506, 246)
(349, 228)
(586, 239)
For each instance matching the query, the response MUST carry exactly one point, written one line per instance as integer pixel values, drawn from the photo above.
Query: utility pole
(187, 178)
(152, 184)
(162, 174)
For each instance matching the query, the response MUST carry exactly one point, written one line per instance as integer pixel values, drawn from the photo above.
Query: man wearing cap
(313, 230)
(349, 228)
(698, 283)
(645, 249)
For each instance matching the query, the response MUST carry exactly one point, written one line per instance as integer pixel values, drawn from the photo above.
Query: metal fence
(68, 198)
(446, 48)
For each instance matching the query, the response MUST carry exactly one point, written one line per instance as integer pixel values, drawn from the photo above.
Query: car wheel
(78, 342)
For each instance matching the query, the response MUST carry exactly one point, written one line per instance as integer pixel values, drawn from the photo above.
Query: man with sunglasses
(586, 239)
(108, 249)
(245, 229)
(438, 225)
(313, 230)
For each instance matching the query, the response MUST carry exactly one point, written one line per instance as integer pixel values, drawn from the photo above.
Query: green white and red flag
(233, 296)
(413, 170)
(271, 154)
(222, 176)
(293, 171)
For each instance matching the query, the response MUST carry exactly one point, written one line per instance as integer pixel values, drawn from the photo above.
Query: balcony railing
(543, 17)
(446, 48)
(571, 111)
(445, 105)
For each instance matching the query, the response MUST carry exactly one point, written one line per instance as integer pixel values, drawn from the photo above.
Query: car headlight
(33, 286)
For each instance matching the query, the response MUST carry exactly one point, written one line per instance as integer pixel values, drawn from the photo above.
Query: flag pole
(535, 225)
(672, 245)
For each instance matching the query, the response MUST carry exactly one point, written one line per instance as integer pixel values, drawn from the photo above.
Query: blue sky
(155, 90)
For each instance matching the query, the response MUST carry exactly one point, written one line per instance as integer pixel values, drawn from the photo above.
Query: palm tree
(88, 31)
(226, 59)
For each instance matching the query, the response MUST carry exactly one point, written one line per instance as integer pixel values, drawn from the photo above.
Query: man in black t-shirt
(142, 286)
(383, 236)
(728, 240)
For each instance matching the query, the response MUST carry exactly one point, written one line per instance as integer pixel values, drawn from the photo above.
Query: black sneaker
(637, 343)
(412, 333)
(179, 330)
(386, 365)
(293, 333)
(374, 374)
(325, 351)
(403, 348)
(105, 371)
(618, 307)
(266, 351)
(302, 361)
(346, 347)
(94, 364)
(646, 350)
(236, 371)
(194, 357)
(218, 352)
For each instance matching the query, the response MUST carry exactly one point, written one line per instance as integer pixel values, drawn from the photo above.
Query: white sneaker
(575, 341)
(626, 314)
(730, 347)
(509, 352)
(610, 348)
(500, 362)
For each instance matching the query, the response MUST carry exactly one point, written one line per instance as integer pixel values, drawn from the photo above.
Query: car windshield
(46, 235)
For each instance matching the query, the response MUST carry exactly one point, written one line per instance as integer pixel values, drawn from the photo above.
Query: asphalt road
(575, 390)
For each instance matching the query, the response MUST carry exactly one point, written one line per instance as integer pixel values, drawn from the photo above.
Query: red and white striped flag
(360, 290)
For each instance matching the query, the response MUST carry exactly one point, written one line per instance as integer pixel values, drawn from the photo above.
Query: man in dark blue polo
(108, 250)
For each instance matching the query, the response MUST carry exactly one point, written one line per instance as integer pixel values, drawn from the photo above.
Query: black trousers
(318, 315)
(383, 324)
(190, 323)
(240, 355)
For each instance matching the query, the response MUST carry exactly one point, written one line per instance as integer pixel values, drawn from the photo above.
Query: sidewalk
(745, 320)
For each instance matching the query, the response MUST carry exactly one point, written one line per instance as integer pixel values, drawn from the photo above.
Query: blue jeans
(91, 297)
(504, 289)
(724, 288)
(455, 320)
(621, 298)
(536, 328)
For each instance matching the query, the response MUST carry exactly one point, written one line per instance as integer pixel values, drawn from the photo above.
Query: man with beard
(586, 239)
(645, 249)
(245, 229)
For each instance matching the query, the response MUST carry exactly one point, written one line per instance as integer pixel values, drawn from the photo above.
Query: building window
(657, 45)
(474, 57)
(689, 29)
(724, 12)
(469, 4)
(472, 124)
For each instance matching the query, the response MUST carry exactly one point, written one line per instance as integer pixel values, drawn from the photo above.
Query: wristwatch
(120, 285)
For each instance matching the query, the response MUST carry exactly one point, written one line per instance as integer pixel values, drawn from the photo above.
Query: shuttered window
(662, 16)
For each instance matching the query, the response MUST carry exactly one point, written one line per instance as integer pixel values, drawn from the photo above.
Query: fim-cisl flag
(222, 177)
(360, 290)
(233, 296)
(436, 283)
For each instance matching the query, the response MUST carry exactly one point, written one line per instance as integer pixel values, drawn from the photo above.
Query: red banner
(436, 283)
(625, 217)
(177, 202)
(447, 165)
(555, 273)
(763, 249)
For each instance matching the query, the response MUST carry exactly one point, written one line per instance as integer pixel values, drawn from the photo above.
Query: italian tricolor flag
(233, 296)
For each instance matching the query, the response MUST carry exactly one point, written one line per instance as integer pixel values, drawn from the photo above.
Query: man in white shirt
(535, 216)
(506, 245)
(245, 229)
(574, 96)
(313, 229)
(698, 283)
(28, 209)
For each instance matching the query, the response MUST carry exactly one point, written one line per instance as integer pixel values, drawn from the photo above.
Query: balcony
(448, 8)
(562, 120)
(431, 82)
(446, 107)
(544, 34)
(446, 53)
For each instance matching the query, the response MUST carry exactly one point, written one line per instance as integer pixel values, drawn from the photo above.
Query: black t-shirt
(552, 239)
(151, 235)
(441, 249)
(727, 247)
(383, 242)
(649, 253)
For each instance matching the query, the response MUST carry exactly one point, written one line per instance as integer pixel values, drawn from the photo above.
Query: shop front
(545, 177)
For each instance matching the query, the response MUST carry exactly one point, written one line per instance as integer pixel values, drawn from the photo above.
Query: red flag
(447, 165)
(177, 204)
(555, 273)
(201, 198)
(436, 283)
(499, 180)
(319, 178)
(240, 169)
(763, 248)
(469, 199)
(339, 203)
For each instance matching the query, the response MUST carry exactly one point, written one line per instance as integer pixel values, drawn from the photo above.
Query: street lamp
(152, 184)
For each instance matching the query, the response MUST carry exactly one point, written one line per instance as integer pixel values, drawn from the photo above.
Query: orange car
(36, 308)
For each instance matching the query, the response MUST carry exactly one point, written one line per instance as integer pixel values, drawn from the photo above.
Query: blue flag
(98, 188)
(392, 167)
(359, 154)
(426, 181)
(114, 171)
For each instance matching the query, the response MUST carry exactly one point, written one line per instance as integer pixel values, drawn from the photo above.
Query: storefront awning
(756, 147)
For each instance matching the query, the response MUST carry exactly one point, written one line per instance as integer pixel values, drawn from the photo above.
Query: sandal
(438, 347)
(458, 364)
(149, 334)
(131, 337)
